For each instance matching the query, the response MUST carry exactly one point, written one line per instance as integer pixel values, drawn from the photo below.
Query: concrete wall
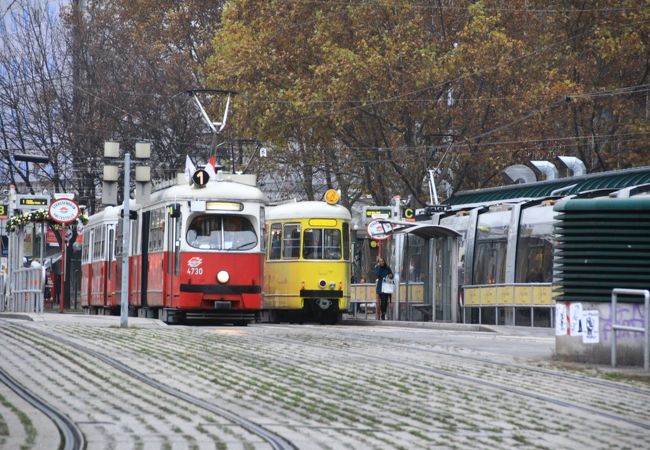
(584, 332)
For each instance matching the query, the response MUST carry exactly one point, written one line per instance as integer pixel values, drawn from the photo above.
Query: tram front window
(214, 232)
(321, 244)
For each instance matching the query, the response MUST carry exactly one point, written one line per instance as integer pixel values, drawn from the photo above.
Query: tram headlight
(322, 284)
(223, 276)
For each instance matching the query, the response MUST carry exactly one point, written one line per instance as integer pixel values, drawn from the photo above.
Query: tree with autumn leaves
(369, 95)
(364, 96)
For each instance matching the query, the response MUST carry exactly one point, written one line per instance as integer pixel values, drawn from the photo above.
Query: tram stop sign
(64, 211)
(380, 229)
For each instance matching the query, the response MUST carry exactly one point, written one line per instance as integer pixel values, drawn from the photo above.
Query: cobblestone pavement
(319, 387)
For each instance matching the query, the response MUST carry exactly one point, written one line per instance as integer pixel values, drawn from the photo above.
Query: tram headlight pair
(223, 276)
(323, 284)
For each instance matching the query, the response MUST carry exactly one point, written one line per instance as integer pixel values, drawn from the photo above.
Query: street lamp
(109, 196)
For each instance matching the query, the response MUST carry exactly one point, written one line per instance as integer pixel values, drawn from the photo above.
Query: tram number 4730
(195, 270)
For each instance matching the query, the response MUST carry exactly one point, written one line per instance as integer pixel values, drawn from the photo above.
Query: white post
(398, 246)
(126, 231)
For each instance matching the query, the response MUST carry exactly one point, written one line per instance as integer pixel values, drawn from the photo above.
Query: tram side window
(111, 252)
(291, 241)
(118, 240)
(156, 230)
(490, 262)
(85, 254)
(275, 245)
(346, 241)
(534, 261)
(98, 243)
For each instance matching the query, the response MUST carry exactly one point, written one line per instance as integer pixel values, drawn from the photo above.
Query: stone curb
(431, 325)
(21, 316)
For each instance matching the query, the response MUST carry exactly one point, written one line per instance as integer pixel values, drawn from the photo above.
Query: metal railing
(27, 291)
(645, 329)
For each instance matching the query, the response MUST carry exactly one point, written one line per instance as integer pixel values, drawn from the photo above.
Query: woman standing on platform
(382, 271)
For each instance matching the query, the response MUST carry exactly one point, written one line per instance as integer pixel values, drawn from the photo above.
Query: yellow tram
(307, 268)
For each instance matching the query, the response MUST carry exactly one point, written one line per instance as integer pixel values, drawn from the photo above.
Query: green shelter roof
(618, 179)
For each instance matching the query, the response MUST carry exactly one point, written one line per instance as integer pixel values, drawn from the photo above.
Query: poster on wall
(575, 316)
(561, 324)
(590, 325)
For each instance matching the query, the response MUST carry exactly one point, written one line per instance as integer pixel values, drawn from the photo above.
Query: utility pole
(109, 197)
(126, 234)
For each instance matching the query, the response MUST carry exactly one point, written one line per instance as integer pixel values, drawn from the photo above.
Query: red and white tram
(98, 277)
(195, 253)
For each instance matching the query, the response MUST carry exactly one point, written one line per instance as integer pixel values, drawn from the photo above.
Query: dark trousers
(384, 305)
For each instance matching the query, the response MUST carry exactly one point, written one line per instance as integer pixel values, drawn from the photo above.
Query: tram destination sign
(31, 202)
(64, 211)
(377, 212)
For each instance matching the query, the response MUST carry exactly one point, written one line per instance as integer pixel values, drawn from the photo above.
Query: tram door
(144, 261)
(173, 228)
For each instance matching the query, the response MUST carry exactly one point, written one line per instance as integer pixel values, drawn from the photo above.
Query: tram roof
(617, 179)
(214, 190)
(307, 210)
(110, 213)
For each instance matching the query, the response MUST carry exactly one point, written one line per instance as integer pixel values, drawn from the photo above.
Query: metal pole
(614, 328)
(64, 244)
(646, 350)
(398, 244)
(126, 225)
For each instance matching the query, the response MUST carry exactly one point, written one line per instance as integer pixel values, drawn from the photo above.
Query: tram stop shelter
(426, 270)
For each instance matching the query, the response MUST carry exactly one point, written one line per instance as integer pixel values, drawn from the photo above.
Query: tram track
(275, 441)
(473, 380)
(313, 376)
(71, 436)
(547, 372)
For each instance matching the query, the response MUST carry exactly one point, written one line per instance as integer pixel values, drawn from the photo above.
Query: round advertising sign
(64, 211)
(380, 229)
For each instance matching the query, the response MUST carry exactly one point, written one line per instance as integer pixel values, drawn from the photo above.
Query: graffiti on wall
(627, 314)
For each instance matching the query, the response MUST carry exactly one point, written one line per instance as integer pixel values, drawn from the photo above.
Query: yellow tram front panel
(285, 280)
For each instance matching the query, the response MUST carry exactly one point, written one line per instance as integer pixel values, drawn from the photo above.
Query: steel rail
(71, 436)
(276, 441)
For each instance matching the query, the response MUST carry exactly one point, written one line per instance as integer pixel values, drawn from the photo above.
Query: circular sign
(380, 230)
(200, 177)
(64, 211)
(332, 196)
